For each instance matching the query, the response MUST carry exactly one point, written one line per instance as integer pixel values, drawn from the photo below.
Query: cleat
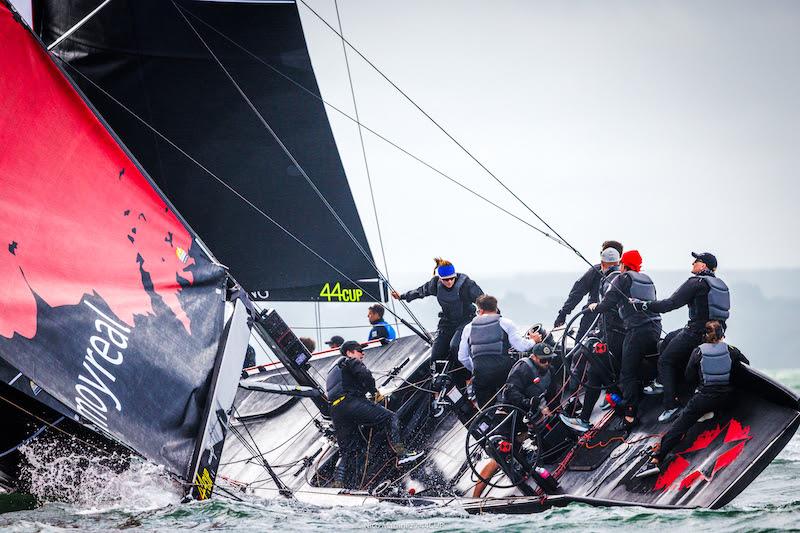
(653, 388)
(707, 416)
(575, 423)
(409, 456)
(668, 415)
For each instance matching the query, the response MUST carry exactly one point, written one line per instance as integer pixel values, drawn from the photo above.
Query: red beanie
(632, 259)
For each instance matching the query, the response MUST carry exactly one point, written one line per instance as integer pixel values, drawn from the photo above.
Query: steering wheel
(503, 423)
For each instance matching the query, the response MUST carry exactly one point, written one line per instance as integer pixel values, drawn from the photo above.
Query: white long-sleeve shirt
(517, 341)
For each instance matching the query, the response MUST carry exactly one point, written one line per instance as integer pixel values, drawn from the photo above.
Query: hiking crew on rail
(707, 298)
(456, 294)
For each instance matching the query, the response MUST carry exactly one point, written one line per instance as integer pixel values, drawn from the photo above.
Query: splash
(62, 471)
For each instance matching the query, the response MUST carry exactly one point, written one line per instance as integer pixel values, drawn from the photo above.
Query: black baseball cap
(542, 350)
(335, 340)
(707, 258)
(351, 345)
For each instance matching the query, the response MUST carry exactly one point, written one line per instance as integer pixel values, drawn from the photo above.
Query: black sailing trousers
(603, 371)
(578, 373)
(347, 416)
(639, 341)
(675, 352)
(705, 400)
(489, 375)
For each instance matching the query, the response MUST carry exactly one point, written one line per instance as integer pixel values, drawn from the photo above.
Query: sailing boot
(405, 456)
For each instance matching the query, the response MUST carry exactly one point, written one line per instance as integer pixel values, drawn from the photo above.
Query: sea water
(144, 498)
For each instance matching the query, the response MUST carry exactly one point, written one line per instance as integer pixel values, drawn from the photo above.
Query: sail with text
(153, 57)
(110, 304)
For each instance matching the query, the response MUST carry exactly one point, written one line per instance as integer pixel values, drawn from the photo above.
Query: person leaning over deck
(587, 285)
(710, 366)
(380, 328)
(348, 383)
(484, 349)
(456, 294)
(642, 328)
(707, 298)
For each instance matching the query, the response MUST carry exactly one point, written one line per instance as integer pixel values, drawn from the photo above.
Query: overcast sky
(671, 126)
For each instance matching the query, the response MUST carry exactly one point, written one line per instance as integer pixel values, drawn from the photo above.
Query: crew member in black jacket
(588, 284)
(711, 366)
(456, 293)
(642, 327)
(708, 299)
(348, 383)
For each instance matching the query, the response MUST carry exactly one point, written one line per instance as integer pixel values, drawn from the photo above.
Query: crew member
(484, 349)
(710, 365)
(348, 383)
(456, 294)
(380, 328)
(642, 327)
(528, 381)
(588, 284)
(309, 343)
(606, 356)
(335, 342)
(708, 299)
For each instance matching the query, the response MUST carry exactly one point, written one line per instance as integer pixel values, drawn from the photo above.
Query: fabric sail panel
(109, 304)
(145, 54)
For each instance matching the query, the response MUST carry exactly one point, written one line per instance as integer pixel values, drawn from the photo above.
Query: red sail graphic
(76, 215)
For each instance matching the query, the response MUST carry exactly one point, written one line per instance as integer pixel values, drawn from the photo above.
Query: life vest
(611, 274)
(715, 363)
(453, 308)
(390, 333)
(487, 337)
(642, 288)
(334, 384)
(523, 375)
(719, 300)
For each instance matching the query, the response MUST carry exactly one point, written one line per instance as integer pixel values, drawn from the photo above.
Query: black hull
(736, 445)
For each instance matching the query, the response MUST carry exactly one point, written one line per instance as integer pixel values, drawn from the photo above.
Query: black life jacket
(523, 374)
(611, 318)
(453, 308)
(334, 384)
(487, 337)
(642, 288)
(718, 300)
(715, 364)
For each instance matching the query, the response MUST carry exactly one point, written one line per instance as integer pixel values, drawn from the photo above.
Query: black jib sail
(146, 54)
(109, 303)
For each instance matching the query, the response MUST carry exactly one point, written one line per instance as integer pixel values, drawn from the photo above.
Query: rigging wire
(441, 128)
(217, 178)
(364, 154)
(294, 161)
(385, 139)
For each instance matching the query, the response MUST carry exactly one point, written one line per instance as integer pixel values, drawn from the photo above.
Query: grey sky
(672, 126)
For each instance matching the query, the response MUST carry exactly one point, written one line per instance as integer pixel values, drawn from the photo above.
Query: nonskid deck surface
(725, 453)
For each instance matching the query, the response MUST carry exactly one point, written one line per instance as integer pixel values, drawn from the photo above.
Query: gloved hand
(560, 320)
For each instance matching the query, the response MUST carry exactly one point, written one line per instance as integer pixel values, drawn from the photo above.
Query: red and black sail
(108, 303)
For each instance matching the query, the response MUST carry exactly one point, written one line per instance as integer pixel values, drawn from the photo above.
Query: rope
(364, 154)
(370, 130)
(292, 158)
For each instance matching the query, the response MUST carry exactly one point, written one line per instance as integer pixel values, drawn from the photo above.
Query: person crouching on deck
(710, 365)
(456, 294)
(484, 349)
(348, 383)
